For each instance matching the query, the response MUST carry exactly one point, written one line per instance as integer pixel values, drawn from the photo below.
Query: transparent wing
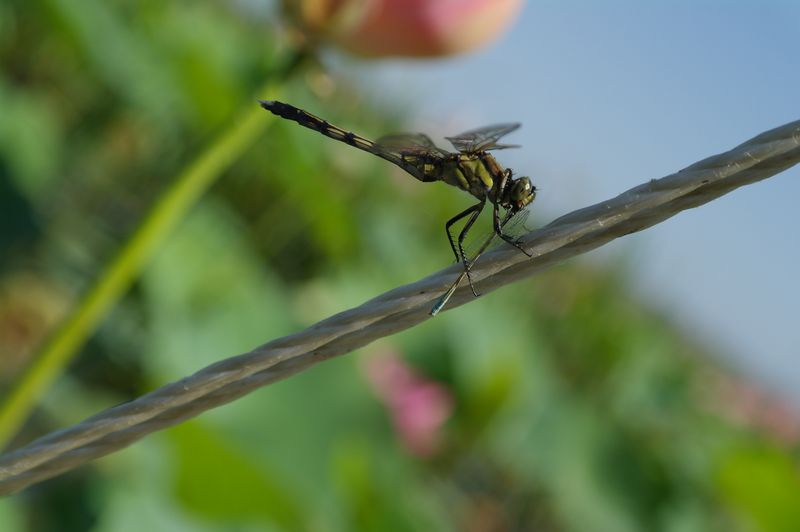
(414, 152)
(516, 225)
(482, 139)
(409, 143)
(513, 226)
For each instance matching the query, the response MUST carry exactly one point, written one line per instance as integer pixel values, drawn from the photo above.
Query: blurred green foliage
(575, 407)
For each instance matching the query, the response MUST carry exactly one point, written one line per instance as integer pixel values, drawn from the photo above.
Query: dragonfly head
(521, 192)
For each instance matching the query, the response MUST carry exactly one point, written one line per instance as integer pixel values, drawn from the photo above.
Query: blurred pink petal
(411, 28)
(751, 406)
(418, 406)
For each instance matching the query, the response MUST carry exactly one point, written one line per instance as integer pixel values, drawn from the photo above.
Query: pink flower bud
(411, 28)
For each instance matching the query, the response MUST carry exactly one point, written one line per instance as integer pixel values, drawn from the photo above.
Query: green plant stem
(118, 276)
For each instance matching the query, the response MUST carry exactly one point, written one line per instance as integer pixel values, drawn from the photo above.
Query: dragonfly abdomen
(319, 125)
(310, 121)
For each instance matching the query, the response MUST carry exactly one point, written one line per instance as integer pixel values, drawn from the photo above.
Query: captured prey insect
(473, 169)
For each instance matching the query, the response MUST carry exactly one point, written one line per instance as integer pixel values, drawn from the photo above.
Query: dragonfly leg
(461, 236)
(498, 229)
(454, 219)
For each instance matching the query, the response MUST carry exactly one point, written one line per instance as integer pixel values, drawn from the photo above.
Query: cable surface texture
(399, 309)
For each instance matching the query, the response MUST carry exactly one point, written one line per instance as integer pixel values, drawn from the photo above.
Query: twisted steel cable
(401, 308)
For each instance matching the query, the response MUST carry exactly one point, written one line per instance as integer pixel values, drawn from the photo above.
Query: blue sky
(615, 94)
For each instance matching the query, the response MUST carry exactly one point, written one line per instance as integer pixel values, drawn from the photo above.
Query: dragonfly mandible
(472, 169)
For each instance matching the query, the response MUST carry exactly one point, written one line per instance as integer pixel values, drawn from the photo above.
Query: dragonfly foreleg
(498, 229)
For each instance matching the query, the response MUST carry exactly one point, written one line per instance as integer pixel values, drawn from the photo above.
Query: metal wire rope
(401, 308)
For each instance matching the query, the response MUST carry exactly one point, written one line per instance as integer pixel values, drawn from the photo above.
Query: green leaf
(762, 484)
(215, 480)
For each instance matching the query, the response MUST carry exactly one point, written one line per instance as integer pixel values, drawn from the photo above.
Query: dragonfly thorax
(482, 176)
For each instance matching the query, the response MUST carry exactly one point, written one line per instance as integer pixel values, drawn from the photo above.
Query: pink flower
(411, 28)
(418, 406)
(747, 404)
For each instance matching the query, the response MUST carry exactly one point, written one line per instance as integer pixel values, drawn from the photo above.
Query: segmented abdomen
(289, 112)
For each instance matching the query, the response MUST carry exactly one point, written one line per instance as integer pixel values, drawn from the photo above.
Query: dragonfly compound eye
(523, 192)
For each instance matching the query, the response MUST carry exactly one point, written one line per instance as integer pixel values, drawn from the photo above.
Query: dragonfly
(471, 168)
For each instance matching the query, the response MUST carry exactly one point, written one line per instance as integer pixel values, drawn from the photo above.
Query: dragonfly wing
(409, 143)
(416, 151)
(500, 147)
(513, 226)
(484, 138)
(516, 226)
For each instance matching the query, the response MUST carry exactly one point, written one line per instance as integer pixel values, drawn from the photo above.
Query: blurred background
(649, 386)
